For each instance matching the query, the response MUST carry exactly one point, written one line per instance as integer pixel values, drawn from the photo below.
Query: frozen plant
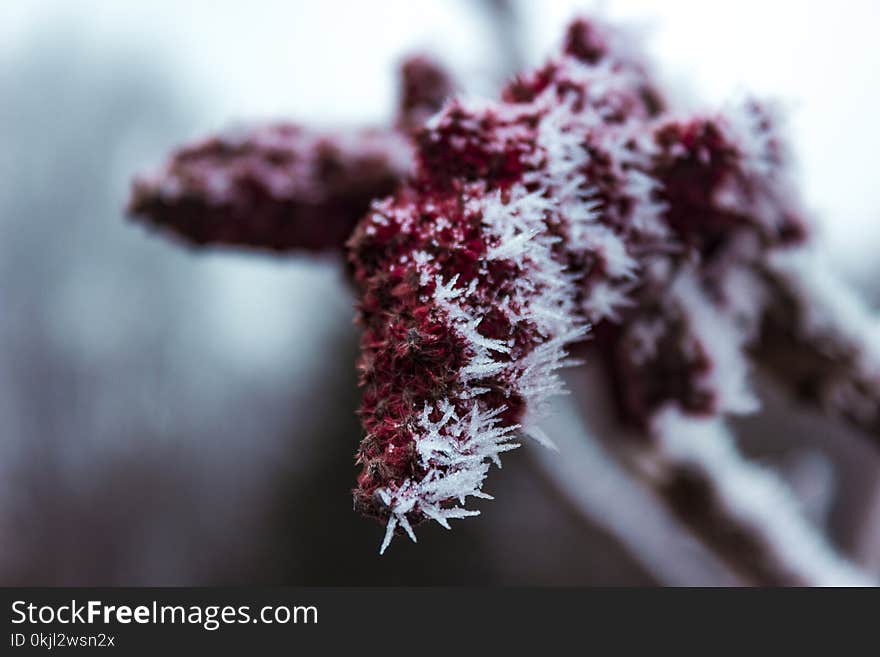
(486, 238)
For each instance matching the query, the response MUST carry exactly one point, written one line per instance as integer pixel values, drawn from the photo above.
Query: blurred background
(170, 417)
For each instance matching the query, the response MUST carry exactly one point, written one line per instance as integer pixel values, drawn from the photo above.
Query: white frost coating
(755, 141)
(464, 448)
(755, 496)
(608, 245)
(644, 337)
(300, 178)
(728, 375)
(630, 149)
(765, 163)
(604, 301)
(746, 297)
(646, 214)
(562, 134)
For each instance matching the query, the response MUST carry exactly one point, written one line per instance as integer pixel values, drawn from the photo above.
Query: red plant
(502, 232)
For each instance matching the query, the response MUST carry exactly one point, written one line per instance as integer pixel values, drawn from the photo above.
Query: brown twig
(821, 341)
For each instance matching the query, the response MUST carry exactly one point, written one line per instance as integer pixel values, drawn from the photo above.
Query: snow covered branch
(681, 498)
(743, 511)
(820, 339)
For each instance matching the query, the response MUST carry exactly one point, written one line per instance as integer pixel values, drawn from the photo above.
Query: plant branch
(821, 341)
